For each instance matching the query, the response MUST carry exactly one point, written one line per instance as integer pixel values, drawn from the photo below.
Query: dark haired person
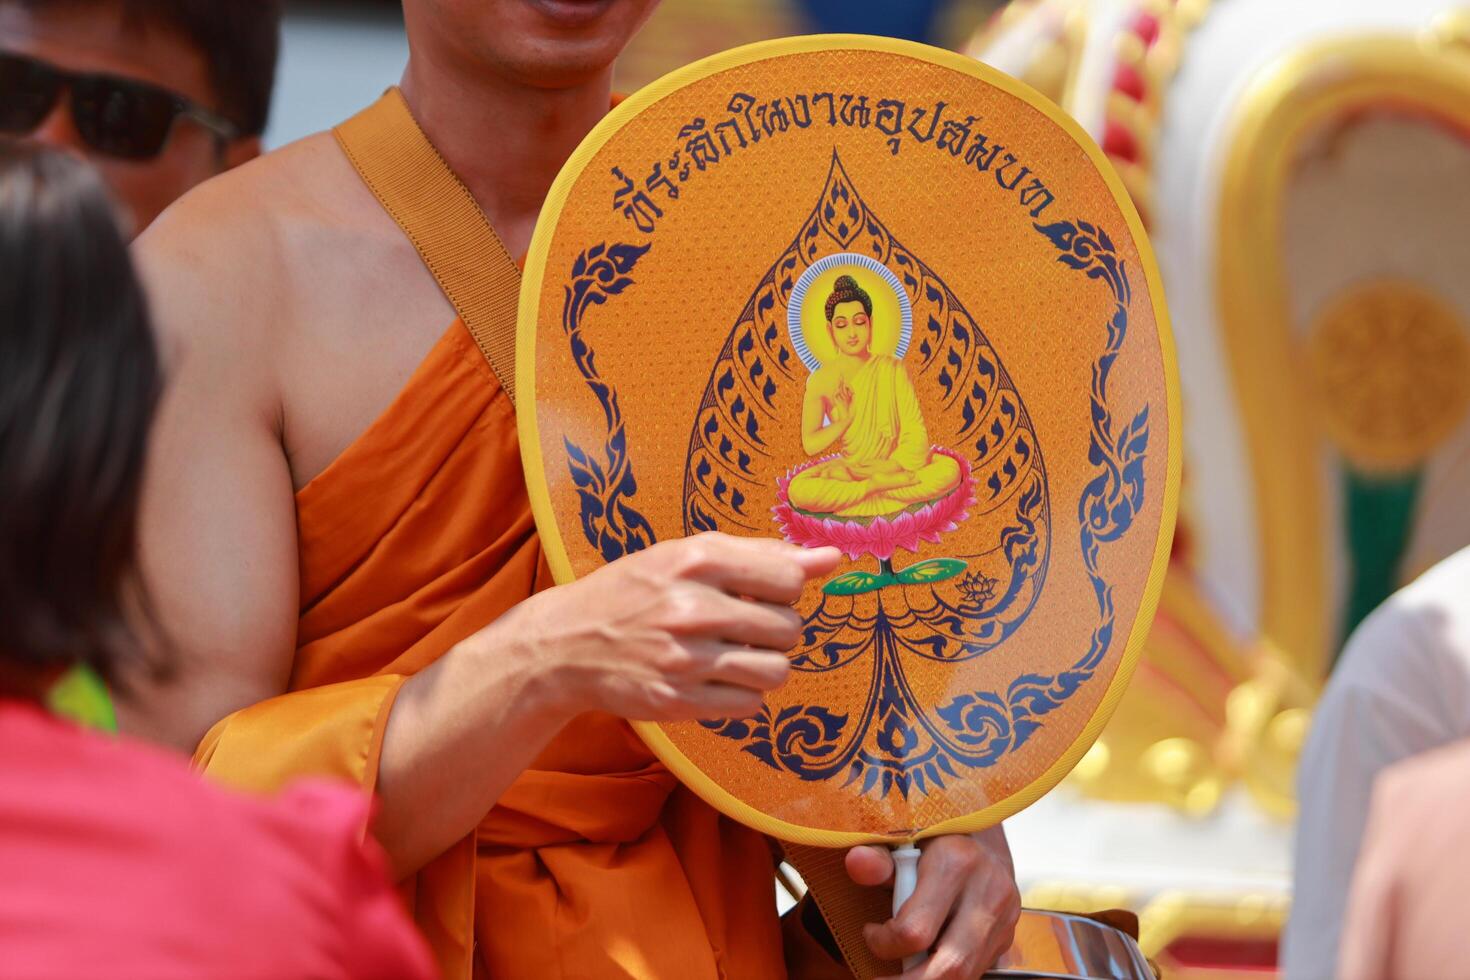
(115, 859)
(338, 530)
(158, 94)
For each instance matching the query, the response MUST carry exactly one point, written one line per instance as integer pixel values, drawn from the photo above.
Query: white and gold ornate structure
(1304, 169)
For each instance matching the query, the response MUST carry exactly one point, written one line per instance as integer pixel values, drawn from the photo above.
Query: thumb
(818, 561)
(869, 866)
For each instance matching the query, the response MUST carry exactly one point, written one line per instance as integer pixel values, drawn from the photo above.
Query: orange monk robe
(595, 863)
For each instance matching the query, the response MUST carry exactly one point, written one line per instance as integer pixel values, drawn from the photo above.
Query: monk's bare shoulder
(228, 255)
(278, 264)
(284, 287)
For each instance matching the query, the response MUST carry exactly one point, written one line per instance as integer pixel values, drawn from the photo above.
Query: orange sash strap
(440, 216)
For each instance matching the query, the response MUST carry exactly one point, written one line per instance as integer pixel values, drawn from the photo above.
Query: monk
(337, 537)
(886, 463)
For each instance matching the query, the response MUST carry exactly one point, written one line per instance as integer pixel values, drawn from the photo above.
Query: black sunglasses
(117, 117)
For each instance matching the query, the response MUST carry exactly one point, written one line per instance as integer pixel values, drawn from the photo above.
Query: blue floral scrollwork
(606, 487)
(795, 739)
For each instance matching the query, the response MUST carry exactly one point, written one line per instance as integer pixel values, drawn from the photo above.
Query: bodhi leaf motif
(743, 437)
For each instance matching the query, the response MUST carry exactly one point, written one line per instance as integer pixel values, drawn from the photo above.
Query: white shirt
(1402, 687)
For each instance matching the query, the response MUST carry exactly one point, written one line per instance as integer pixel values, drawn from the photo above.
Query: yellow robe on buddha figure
(886, 462)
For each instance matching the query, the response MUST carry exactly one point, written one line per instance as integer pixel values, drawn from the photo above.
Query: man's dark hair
(79, 381)
(239, 39)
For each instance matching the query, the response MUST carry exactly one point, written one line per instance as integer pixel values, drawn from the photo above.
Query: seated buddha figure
(863, 406)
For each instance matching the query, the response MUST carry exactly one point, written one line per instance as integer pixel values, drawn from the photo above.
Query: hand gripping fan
(860, 292)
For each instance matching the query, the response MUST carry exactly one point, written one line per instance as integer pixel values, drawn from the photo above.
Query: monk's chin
(550, 44)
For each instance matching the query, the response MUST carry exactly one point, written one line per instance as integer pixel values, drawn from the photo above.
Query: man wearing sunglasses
(159, 95)
(337, 535)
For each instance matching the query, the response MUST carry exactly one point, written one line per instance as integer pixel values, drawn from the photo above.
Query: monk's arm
(217, 522)
(219, 551)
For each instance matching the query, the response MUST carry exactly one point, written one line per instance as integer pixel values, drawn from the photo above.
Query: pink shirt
(117, 861)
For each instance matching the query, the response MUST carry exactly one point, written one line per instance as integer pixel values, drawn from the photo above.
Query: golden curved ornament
(1281, 109)
(1172, 749)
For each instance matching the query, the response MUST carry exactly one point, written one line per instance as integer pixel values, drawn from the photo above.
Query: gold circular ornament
(1390, 363)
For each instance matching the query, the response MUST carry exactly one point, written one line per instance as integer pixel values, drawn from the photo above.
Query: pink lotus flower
(876, 536)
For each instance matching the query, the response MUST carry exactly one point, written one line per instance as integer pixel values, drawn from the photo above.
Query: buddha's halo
(806, 319)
